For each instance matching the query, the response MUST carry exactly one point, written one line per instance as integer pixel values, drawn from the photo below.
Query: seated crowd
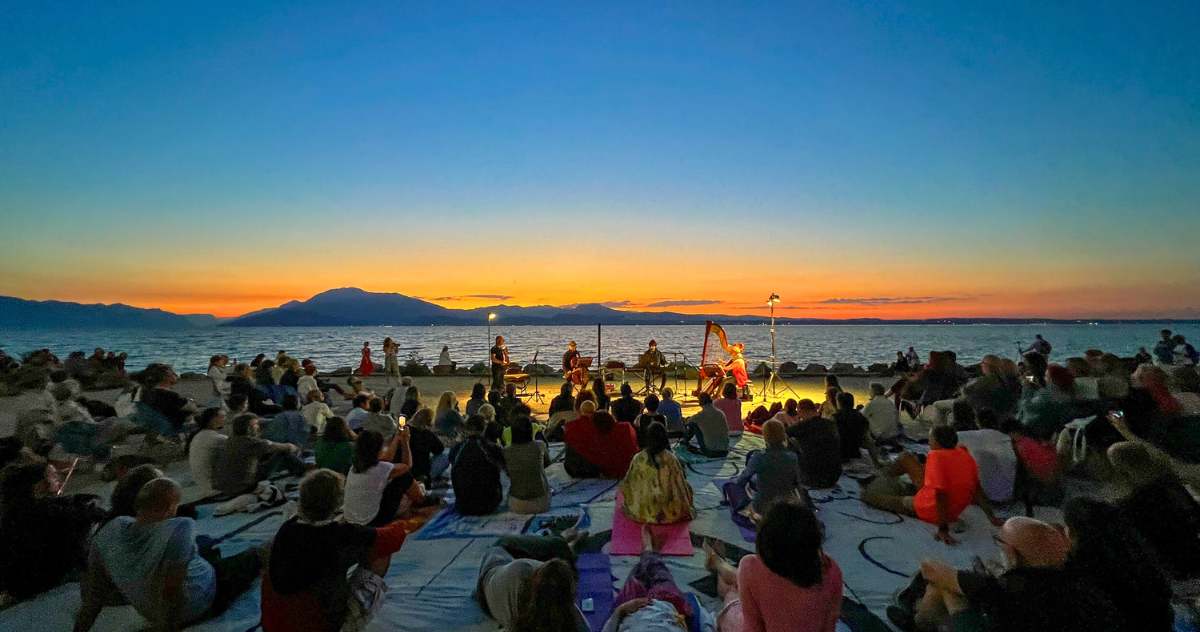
(1011, 433)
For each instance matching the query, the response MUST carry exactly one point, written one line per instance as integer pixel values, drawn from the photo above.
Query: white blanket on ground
(430, 581)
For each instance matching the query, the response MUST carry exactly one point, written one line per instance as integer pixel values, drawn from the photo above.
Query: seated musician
(652, 362)
(736, 366)
(573, 372)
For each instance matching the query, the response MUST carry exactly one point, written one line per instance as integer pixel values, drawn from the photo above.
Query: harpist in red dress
(366, 367)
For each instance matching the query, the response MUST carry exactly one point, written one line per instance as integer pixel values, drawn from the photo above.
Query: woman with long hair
(335, 448)
(548, 600)
(376, 487)
(391, 366)
(447, 421)
(788, 584)
(478, 398)
(655, 490)
(366, 367)
(411, 403)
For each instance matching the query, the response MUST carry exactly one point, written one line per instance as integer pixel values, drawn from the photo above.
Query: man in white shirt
(316, 412)
(881, 414)
(997, 460)
(307, 382)
(358, 414)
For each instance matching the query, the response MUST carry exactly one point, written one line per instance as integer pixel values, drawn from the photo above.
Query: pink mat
(627, 535)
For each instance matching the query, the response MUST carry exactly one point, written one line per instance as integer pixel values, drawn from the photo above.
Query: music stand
(537, 393)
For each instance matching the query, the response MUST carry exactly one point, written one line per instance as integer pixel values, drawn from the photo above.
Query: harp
(712, 371)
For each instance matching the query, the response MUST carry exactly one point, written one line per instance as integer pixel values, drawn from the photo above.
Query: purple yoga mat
(736, 496)
(596, 583)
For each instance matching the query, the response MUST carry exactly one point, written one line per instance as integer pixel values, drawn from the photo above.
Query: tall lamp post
(491, 317)
(770, 386)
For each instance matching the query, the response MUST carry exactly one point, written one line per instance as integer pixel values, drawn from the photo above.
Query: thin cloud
(684, 303)
(889, 300)
(468, 297)
(616, 304)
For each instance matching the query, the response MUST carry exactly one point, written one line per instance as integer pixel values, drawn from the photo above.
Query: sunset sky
(952, 159)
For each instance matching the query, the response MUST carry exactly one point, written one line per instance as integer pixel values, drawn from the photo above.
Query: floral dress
(656, 495)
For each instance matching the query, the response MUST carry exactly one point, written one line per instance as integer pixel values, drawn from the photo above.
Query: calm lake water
(332, 347)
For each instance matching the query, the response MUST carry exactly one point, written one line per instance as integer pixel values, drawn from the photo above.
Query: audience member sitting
(412, 402)
(564, 401)
(478, 398)
(672, 411)
(1103, 542)
(829, 406)
(648, 416)
(655, 490)
(335, 449)
(789, 415)
(526, 461)
(626, 408)
(994, 455)
(152, 561)
(316, 412)
(597, 446)
(507, 406)
(288, 426)
(1159, 507)
(157, 394)
(361, 407)
(853, 430)
(883, 418)
(528, 584)
(123, 500)
(43, 536)
(306, 383)
(241, 383)
(1033, 593)
(475, 466)
(375, 486)
(651, 600)
(790, 584)
(428, 460)
(1044, 410)
(709, 428)
(774, 472)
(205, 447)
(933, 383)
(815, 438)
(308, 585)
(379, 421)
(941, 488)
(997, 389)
(447, 421)
(600, 390)
(731, 405)
(248, 459)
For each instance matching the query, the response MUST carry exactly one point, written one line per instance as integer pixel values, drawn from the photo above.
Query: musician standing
(499, 356)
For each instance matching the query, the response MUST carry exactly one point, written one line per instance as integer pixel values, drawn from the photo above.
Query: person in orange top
(942, 488)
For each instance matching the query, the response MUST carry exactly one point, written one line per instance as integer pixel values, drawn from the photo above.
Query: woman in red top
(366, 367)
(598, 446)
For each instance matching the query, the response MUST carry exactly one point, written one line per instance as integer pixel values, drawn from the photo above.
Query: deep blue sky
(1009, 156)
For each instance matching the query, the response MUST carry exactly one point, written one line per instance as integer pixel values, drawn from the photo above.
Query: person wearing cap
(1033, 593)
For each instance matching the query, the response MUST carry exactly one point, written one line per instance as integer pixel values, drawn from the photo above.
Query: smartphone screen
(401, 421)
